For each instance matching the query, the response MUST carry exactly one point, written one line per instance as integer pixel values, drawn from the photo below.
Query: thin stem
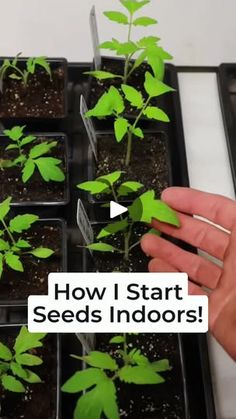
(8, 232)
(128, 56)
(134, 245)
(127, 237)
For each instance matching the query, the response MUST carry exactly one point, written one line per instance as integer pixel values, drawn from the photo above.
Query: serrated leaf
(42, 252)
(32, 378)
(133, 96)
(1, 265)
(11, 147)
(4, 208)
(5, 352)
(117, 17)
(15, 133)
(101, 247)
(14, 262)
(116, 100)
(148, 41)
(111, 178)
(156, 63)
(133, 6)
(94, 187)
(28, 170)
(23, 244)
(138, 358)
(26, 340)
(42, 62)
(161, 366)
(27, 140)
(102, 75)
(28, 359)
(155, 87)
(22, 222)
(42, 148)
(129, 187)
(138, 132)
(127, 48)
(139, 375)
(144, 21)
(82, 380)
(49, 170)
(18, 370)
(121, 128)
(4, 245)
(100, 360)
(140, 59)
(113, 228)
(111, 45)
(104, 107)
(12, 384)
(117, 339)
(152, 112)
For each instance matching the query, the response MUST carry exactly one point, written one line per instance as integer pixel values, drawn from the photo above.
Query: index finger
(216, 208)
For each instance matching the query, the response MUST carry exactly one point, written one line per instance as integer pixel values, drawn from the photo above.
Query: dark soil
(149, 164)
(39, 401)
(161, 401)
(36, 189)
(110, 262)
(98, 87)
(34, 280)
(41, 98)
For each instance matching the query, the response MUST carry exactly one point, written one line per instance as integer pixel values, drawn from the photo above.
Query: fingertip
(145, 242)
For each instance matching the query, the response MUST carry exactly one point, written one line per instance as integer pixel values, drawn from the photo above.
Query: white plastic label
(88, 126)
(87, 340)
(84, 223)
(95, 39)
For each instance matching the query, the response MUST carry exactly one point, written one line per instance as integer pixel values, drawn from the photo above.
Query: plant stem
(128, 56)
(127, 240)
(8, 232)
(134, 245)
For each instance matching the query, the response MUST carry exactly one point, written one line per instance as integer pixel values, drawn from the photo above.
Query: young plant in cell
(13, 247)
(146, 48)
(113, 103)
(35, 157)
(14, 363)
(12, 69)
(100, 380)
(142, 210)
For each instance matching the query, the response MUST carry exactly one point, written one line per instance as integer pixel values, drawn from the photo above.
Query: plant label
(87, 340)
(84, 223)
(95, 39)
(88, 126)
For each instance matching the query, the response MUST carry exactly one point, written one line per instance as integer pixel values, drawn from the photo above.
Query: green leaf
(140, 59)
(94, 187)
(154, 232)
(49, 170)
(23, 244)
(101, 247)
(148, 41)
(116, 100)
(111, 45)
(11, 147)
(1, 265)
(161, 366)
(26, 340)
(4, 208)
(4, 245)
(138, 358)
(117, 17)
(22, 222)
(15, 133)
(27, 140)
(5, 353)
(133, 6)
(102, 75)
(144, 21)
(156, 63)
(13, 261)
(113, 228)
(28, 359)
(14, 76)
(104, 107)
(42, 148)
(117, 339)
(152, 112)
(111, 178)
(84, 379)
(137, 132)
(121, 127)
(100, 360)
(155, 87)
(41, 61)
(133, 96)
(12, 384)
(18, 370)
(139, 375)
(127, 48)
(129, 187)
(32, 378)
(42, 252)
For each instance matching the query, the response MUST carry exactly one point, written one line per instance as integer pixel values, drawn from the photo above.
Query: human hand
(220, 281)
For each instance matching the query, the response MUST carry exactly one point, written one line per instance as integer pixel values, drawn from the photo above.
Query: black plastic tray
(198, 378)
(227, 91)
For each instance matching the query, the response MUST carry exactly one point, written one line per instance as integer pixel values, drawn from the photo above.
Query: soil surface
(34, 280)
(41, 98)
(149, 163)
(110, 262)
(161, 401)
(36, 189)
(39, 400)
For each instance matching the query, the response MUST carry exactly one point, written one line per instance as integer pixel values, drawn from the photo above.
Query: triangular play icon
(116, 209)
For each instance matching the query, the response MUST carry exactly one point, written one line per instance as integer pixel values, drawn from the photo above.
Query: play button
(116, 209)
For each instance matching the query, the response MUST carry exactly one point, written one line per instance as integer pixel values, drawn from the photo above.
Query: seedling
(142, 210)
(146, 48)
(34, 158)
(12, 69)
(13, 248)
(13, 363)
(112, 103)
(104, 375)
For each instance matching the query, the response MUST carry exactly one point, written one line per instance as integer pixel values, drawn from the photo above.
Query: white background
(196, 32)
